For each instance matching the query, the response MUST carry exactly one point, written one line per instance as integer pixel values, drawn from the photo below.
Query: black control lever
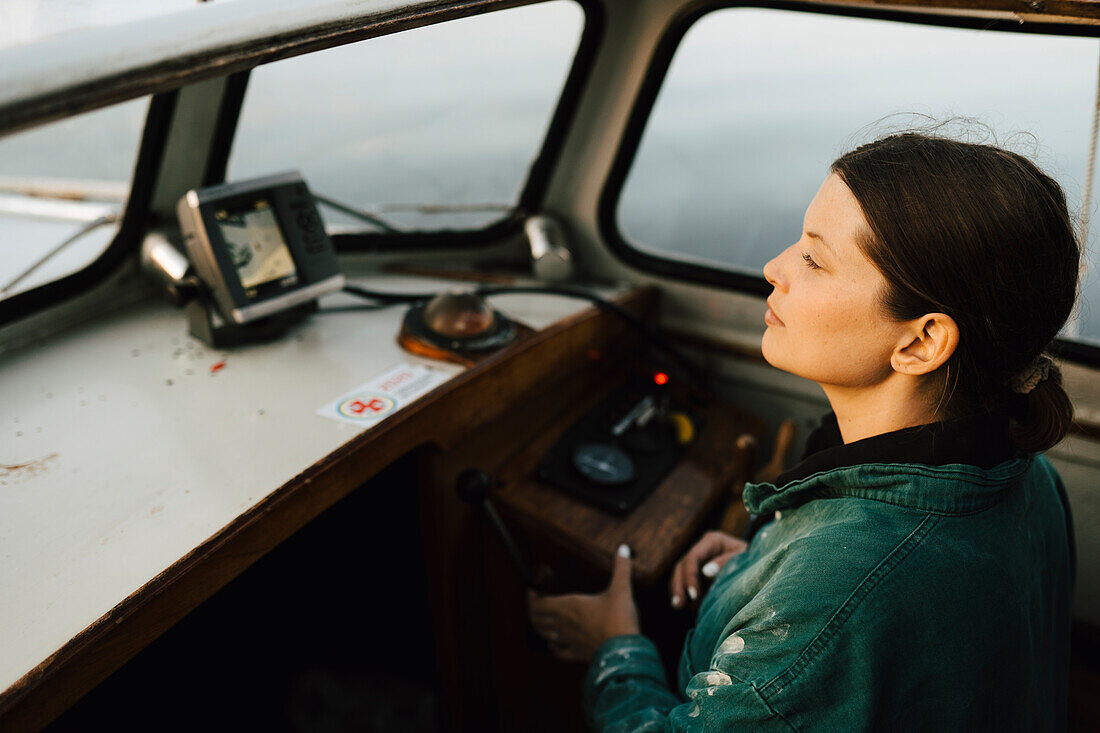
(472, 486)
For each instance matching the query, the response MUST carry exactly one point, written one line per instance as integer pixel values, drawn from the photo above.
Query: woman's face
(825, 321)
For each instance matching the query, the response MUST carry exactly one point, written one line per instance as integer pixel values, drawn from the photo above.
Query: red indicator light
(660, 378)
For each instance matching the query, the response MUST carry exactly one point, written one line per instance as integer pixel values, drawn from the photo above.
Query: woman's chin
(767, 347)
(772, 349)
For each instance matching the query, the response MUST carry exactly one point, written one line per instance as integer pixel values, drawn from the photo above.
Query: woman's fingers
(577, 624)
(548, 623)
(707, 556)
(713, 567)
(735, 545)
(565, 652)
(620, 572)
(570, 654)
(676, 586)
(691, 578)
(709, 545)
(552, 609)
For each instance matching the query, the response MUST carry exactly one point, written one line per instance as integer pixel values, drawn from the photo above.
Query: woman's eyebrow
(821, 239)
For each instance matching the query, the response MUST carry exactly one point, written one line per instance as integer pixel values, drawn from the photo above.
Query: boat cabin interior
(329, 328)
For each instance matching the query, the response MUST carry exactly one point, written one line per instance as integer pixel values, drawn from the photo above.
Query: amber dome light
(458, 315)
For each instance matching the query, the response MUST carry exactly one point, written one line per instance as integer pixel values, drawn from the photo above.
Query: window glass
(62, 190)
(432, 128)
(745, 126)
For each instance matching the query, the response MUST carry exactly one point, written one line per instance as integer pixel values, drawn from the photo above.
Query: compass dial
(604, 464)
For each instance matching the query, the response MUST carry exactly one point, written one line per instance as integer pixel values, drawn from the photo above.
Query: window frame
(654, 78)
(532, 189)
(153, 139)
(131, 230)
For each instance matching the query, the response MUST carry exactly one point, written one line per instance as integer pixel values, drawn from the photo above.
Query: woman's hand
(711, 552)
(576, 625)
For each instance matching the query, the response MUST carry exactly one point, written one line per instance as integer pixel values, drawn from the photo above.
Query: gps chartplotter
(258, 245)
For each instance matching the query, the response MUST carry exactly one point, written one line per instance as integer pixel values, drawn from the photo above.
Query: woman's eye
(810, 262)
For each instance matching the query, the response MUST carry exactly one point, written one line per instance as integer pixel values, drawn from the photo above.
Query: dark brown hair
(983, 235)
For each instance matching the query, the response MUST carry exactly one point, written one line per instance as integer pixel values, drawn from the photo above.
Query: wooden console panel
(500, 416)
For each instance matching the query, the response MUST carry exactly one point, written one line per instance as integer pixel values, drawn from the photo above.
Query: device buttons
(307, 221)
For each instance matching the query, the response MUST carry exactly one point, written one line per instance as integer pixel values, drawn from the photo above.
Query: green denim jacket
(890, 596)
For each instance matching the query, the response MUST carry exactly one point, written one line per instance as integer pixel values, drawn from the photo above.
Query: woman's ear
(928, 343)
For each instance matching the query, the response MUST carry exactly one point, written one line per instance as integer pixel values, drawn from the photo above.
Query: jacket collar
(955, 466)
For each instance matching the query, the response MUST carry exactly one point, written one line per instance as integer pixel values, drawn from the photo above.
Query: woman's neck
(883, 408)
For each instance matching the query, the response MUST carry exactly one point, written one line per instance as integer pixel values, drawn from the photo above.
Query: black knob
(472, 486)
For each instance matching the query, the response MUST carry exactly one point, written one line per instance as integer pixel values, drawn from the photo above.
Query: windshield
(62, 190)
(428, 129)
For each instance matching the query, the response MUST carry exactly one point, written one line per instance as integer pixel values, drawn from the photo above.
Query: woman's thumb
(620, 571)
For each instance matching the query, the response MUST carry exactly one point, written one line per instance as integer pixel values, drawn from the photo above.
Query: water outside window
(64, 181)
(436, 128)
(744, 127)
(433, 128)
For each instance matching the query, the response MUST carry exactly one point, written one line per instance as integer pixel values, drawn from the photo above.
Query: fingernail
(676, 601)
(624, 550)
(692, 593)
(710, 569)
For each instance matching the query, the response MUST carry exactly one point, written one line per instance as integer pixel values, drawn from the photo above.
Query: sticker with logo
(366, 406)
(389, 392)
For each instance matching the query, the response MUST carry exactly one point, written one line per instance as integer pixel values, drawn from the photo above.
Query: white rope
(1086, 204)
(1073, 325)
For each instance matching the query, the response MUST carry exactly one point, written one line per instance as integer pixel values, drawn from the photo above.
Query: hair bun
(1030, 376)
(1048, 416)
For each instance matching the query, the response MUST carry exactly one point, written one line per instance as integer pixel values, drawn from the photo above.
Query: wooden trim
(439, 419)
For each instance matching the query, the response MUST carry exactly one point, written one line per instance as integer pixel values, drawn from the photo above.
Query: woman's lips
(771, 319)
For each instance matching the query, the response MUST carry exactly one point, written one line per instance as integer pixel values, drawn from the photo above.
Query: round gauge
(604, 464)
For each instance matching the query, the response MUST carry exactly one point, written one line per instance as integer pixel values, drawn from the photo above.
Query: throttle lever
(472, 486)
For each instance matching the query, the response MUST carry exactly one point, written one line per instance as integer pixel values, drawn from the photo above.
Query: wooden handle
(784, 439)
(736, 517)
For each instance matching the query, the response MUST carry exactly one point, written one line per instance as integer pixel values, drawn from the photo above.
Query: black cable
(361, 308)
(648, 332)
(643, 327)
(389, 298)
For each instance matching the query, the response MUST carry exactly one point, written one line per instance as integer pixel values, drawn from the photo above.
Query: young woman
(918, 570)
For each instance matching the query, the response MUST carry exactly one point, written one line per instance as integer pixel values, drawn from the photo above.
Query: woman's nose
(773, 272)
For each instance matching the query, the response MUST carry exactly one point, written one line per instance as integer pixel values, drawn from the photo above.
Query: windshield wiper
(90, 203)
(94, 224)
(377, 218)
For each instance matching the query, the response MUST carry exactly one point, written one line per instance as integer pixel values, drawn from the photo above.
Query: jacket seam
(764, 701)
(842, 614)
(837, 493)
(981, 477)
(978, 504)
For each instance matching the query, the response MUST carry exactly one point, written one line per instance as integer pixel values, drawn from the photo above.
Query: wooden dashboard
(140, 483)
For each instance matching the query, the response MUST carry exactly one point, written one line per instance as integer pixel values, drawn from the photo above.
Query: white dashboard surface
(125, 443)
